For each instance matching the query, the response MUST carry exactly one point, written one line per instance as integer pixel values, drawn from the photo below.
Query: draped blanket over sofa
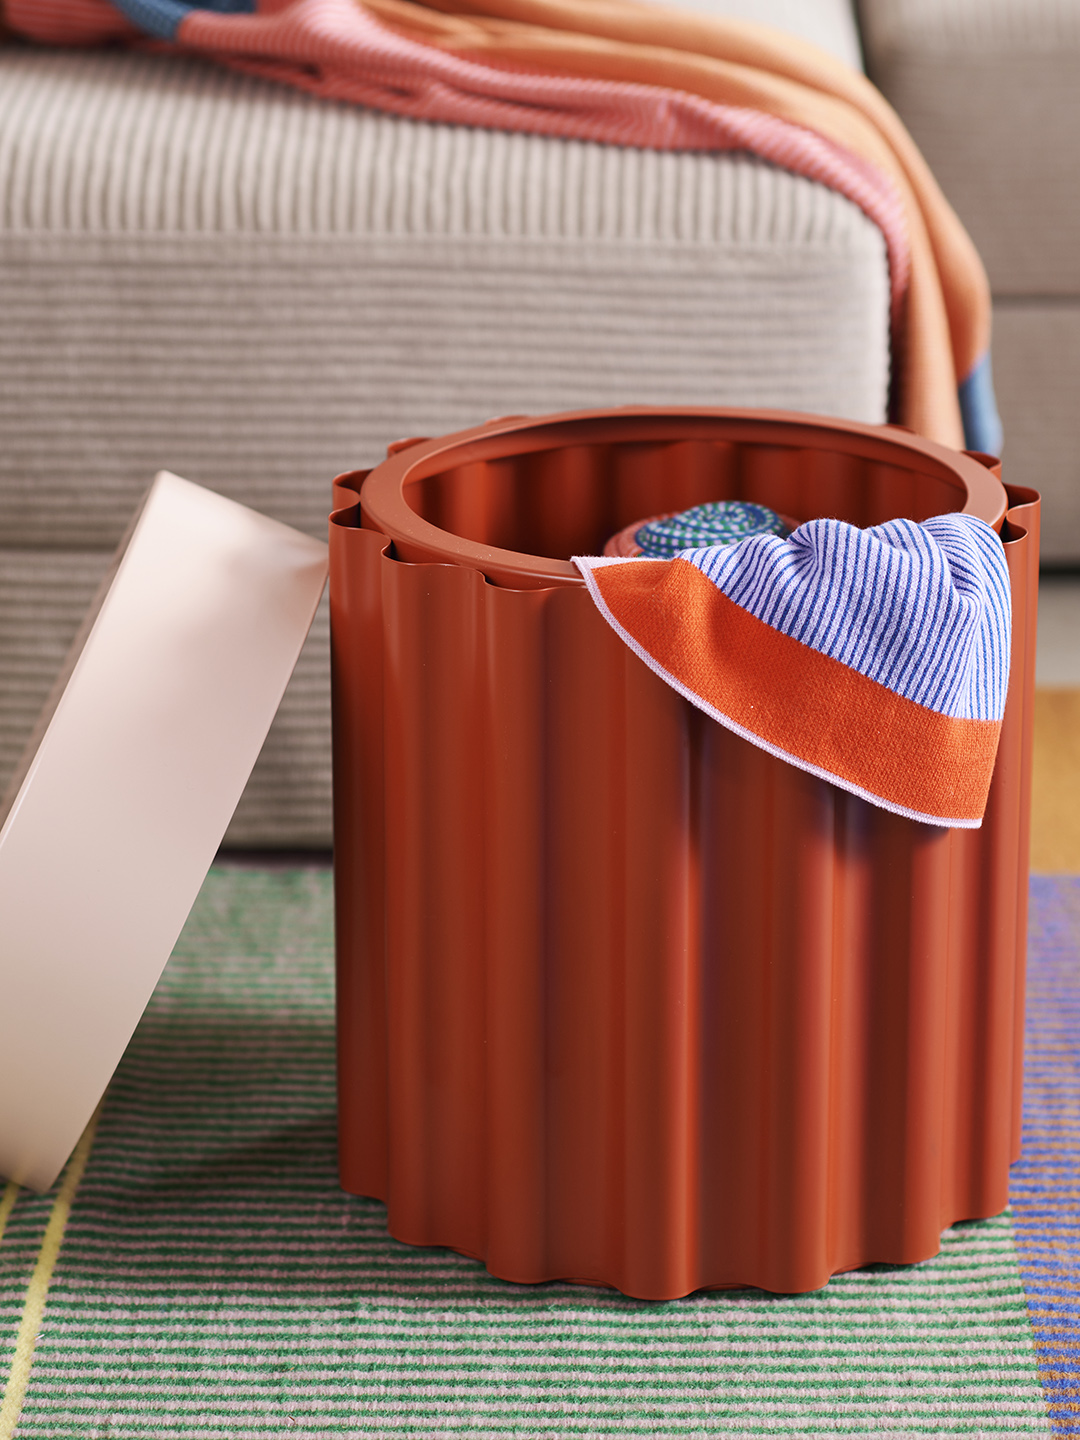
(472, 210)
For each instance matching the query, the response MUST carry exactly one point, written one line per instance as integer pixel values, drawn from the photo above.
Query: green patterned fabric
(718, 522)
(214, 1281)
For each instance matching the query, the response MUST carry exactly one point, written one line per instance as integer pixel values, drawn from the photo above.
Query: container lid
(126, 789)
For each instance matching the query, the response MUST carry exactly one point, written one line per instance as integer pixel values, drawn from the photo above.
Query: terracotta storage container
(622, 998)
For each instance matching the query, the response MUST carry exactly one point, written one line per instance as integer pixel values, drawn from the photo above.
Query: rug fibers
(214, 1282)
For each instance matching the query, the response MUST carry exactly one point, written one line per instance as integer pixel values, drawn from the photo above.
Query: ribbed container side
(625, 999)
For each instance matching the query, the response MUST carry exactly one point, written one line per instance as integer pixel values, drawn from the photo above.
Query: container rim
(384, 505)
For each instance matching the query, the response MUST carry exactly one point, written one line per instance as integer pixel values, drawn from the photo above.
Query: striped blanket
(630, 74)
(877, 659)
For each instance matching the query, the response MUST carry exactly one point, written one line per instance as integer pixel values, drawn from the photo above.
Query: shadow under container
(623, 998)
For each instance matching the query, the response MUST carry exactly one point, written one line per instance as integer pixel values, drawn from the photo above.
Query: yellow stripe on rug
(7, 1204)
(1055, 788)
(38, 1289)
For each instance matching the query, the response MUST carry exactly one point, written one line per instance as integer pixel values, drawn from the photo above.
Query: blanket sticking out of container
(626, 73)
(877, 659)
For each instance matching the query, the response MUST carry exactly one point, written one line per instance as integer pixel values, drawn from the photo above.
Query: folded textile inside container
(877, 659)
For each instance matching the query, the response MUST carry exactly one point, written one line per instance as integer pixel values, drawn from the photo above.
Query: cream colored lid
(126, 790)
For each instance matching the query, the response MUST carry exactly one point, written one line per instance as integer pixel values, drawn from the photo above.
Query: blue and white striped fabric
(924, 609)
(876, 659)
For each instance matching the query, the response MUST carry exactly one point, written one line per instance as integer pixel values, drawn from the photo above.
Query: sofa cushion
(258, 289)
(255, 289)
(828, 23)
(990, 90)
(1036, 362)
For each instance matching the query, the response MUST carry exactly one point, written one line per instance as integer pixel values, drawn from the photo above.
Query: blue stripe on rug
(1046, 1179)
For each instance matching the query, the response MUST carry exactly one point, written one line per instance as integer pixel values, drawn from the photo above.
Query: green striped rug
(214, 1282)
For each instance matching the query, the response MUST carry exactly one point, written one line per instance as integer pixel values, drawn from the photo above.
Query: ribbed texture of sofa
(828, 23)
(256, 290)
(990, 90)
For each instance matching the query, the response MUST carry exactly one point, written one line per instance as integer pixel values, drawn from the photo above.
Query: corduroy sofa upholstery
(207, 273)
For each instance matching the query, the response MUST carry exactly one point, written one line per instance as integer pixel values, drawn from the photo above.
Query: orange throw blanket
(477, 50)
(946, 320)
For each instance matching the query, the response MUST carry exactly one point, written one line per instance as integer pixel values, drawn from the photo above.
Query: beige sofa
(255, 289)
(990, 89)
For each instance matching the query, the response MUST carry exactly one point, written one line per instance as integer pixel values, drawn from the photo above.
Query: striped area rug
(213, 1281)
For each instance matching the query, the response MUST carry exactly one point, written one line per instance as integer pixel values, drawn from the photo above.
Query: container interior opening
(569, 500)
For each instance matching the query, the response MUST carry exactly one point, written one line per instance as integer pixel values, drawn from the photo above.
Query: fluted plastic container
(622, 998)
